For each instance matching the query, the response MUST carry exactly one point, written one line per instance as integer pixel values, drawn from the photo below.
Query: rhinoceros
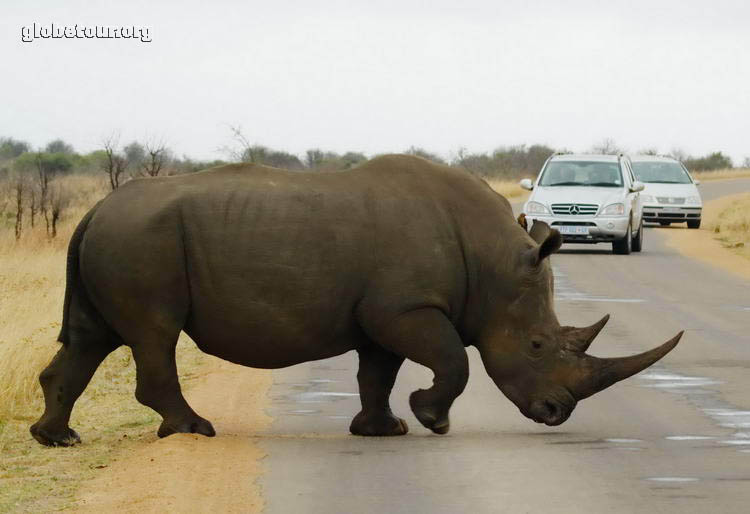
(397, 259)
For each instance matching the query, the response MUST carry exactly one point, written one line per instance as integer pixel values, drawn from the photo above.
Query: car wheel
(623, 246)
(664, 223)
(694, 223)
(637, 243)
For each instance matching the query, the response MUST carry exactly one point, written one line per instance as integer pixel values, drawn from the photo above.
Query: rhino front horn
(599, 374)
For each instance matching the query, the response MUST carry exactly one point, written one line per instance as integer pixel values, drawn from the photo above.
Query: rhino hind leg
(427, 337)
(68, 374)
(377, 373)
(158, 387)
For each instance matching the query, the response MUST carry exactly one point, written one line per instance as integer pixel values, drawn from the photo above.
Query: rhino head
(541, 366)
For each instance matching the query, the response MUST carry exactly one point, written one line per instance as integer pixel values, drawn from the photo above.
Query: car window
(582, 173)
(661, 172)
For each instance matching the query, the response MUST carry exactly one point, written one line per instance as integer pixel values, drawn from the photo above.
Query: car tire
(694, 223)
(623, 246)
(665, 223)
(637, 243)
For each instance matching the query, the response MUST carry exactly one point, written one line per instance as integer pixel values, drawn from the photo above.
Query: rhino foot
(427, 414)
(196, 425)
(378, 424)
(65, 437)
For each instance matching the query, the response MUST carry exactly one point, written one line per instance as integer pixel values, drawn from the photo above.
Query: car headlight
(614, 209)
(693, 200)
(648, 199)
(536, 208)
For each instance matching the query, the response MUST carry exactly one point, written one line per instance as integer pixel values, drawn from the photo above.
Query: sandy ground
(190, 473)
(701, 245)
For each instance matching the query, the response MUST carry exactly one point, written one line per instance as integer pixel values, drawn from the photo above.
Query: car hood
(601, 196)
(656, 189)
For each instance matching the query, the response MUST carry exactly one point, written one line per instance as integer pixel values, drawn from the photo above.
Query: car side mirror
(526, 184)
(697, 182)
(637, 187)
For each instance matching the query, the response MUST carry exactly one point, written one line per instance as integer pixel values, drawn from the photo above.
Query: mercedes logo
(573, 209)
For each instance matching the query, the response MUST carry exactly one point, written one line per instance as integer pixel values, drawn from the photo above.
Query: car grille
(573, 209)
(672, 200)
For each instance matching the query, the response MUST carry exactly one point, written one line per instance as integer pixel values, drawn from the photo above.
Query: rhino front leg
(377, 373)
(159, 388)
(427, 337)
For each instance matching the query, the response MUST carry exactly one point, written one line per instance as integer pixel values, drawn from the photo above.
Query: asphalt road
(674, 439)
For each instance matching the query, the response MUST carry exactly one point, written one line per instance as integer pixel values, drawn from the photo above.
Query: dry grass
(731, 226)
(722, 174)
(32, 281)
(508, 188)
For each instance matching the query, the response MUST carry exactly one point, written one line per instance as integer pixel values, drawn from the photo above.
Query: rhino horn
(598, 374)
(581, 338)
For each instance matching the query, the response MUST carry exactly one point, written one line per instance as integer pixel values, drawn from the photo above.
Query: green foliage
(50, 163)
(59, 146)
(11, 148)
(713, 161)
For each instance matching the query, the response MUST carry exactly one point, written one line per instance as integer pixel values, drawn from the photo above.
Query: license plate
(571, 230)
(670, 209)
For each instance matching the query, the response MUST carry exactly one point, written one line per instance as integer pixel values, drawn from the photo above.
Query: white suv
(589, 199)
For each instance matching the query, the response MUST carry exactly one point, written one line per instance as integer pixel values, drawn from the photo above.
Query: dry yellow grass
(722, 174)
(731, 226)
(32, 281)
(508, 188)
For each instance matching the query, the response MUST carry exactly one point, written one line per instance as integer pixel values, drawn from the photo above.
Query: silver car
(671, 195)
(589, 199)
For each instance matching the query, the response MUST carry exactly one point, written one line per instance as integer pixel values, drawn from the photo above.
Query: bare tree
(156, 157)
(43, 185)
(115, 163)
(242, 150)
(607, 146)
(59, 199)
(19, 188)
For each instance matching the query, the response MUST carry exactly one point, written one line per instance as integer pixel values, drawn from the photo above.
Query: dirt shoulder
(190, 473)
(703, 245)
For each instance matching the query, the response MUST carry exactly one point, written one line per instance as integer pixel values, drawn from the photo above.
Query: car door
(634, 198)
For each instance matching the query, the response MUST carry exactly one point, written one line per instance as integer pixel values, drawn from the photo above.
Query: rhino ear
(549, 241)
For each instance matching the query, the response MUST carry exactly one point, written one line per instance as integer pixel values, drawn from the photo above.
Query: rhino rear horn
(549, 241)
(581, 338)
(598, 374)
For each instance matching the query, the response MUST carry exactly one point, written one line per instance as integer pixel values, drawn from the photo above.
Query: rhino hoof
(427, 414)
(378, 424)
(197, 425)
(65, 437)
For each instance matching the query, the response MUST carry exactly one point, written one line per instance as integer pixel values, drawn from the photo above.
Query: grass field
(32, 280)
(731, 226)
(722, 174)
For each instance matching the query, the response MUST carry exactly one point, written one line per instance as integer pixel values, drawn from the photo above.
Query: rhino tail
(72, 273)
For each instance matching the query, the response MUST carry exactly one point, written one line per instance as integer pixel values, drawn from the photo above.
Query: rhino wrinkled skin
(398, 258)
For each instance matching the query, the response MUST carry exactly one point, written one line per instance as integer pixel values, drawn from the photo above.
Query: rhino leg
(377, 373)
(427, 337)
(159, 388)
(68, 374)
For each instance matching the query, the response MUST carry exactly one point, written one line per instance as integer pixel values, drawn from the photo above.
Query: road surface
(674, 439)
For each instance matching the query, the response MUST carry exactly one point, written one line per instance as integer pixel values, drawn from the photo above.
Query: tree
(59, 199)
(710, 162)
(746, 162)
(155, 158)
(135, 154)
(59, 146)
(115, 163)
(607, 146)
(11, 148)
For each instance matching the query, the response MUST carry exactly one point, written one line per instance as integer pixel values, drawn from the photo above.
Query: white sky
(381, 76)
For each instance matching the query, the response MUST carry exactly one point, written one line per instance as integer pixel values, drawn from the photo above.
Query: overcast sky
(381, 76)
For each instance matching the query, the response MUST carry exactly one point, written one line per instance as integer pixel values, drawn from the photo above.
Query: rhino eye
(536, 345)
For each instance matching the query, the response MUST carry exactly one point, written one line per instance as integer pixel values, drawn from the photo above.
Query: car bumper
(600, 230)
(657, 213)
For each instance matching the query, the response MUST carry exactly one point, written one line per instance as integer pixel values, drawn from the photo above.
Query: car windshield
(582, 173)
(660, 172)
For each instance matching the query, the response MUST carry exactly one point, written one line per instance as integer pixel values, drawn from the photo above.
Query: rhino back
(270, 268)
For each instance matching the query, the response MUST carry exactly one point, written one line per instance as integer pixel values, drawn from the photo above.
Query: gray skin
(398, 259)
